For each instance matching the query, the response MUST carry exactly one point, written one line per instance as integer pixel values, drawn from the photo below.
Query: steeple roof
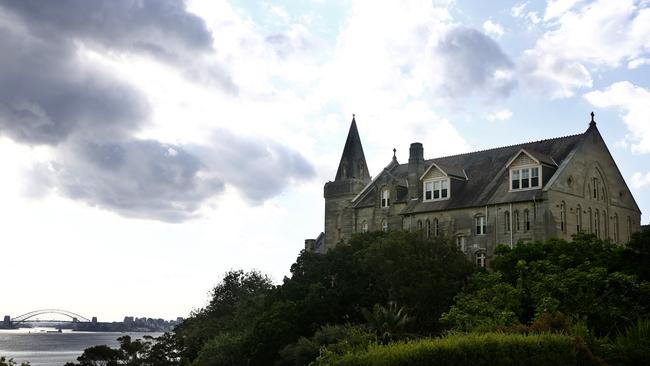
(353, 161)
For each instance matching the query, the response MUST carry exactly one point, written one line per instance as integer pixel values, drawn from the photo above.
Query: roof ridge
(507, 146)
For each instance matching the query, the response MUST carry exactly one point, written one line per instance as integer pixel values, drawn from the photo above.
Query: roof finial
(352, 116)
(394, 154)
(592, 123)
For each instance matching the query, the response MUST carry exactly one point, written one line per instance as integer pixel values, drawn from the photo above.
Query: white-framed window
(525, 178)
(385, 197)
(384, 225)
(480, 225)
(460, 243)
(480, 259)
(364, 227)
(436, 189)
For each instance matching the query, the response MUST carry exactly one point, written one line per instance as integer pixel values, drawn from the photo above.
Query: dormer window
(385, 197)
(436, 189)
(525, 178)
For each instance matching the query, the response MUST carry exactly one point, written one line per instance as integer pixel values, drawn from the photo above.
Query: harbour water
(42, 347)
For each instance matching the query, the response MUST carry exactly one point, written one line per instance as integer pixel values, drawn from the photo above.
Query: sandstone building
(525, 192)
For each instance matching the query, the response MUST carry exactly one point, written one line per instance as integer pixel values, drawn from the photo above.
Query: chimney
(415, 169)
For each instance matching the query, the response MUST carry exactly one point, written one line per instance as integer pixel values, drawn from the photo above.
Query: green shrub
(631, 347)
(337, 339)
(469, 349)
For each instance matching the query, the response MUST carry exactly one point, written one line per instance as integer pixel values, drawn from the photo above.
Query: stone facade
(532, 191)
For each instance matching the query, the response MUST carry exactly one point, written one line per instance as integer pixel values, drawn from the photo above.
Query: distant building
(530, 191)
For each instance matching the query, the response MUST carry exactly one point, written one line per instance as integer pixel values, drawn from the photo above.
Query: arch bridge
(28, 317)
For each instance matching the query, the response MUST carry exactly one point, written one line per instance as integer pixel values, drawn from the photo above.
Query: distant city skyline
(148, 147)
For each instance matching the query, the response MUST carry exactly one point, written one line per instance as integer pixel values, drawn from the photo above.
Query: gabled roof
(446, 170)
(537, 156)
(487, 169)
(484, 171)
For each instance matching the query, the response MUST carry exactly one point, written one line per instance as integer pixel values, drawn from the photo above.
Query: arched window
(506, 221)
(591, 222)
(597, 223)
(629, 228)
(384, 225)
(579, 219)
(479, 222)
(385, 197)
(616, 232)
(526, 221)
(563, 217)
(419, 225)
(605, 225)
(515, 219)
(428, 228)
(480, 259)
(436, 227)
(364, 227)
(460, 243)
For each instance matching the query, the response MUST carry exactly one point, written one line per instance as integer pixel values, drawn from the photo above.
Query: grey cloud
(474, 62)
(259, 169)
(135, 178)
(120, 24)
(149, 179)
(47, 95)
(162, 29)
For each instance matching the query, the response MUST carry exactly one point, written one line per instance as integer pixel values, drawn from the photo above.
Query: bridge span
(35, 317)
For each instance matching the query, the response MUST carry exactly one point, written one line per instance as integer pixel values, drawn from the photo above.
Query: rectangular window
(534, 177)
(385, 198)
(524, 178)
(515, 179)
(428, 190)
(480, 225)
(436, 189)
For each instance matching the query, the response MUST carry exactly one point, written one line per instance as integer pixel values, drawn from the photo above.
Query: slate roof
(352, 156)
(487, 175)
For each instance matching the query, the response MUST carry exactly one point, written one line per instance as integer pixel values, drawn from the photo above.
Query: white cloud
(493, 29)
(501, 115)
(640, 180)
(634, 103)
(556, 8)
(533, 17)
(638, 62)
(602, 34)
(517, 10)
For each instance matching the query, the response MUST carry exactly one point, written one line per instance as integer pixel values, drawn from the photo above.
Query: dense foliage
(589, 279)
(556, 302)
(376, 268)
(473, 349)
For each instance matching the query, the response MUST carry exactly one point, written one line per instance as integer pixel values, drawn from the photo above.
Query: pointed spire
(353, 161)
(592, 123)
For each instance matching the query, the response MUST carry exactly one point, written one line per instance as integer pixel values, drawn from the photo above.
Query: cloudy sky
(148, 146)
